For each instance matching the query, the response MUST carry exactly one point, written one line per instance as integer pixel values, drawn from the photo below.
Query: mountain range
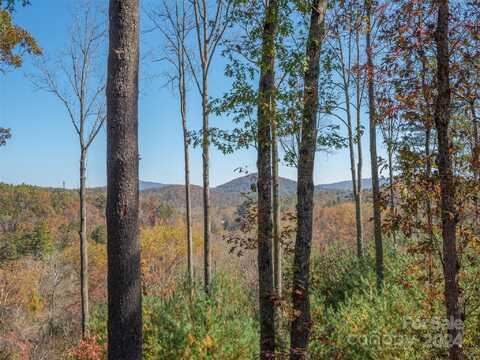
(247, 183)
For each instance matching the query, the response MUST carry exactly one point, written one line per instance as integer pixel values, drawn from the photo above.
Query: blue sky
(44, 148)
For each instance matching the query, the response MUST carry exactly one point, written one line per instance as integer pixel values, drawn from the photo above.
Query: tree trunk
(264, 164)
(449, 212)
(83, 245)
(377, 221)
(430, 249)
(188, 206)
(353, 169)
(390, 180)
(277, 246)
(124, 272)
(475, 157)
(301, 323)
(358, 199)
(206, 188)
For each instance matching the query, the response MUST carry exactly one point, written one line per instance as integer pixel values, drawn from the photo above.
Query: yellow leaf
(208, 342)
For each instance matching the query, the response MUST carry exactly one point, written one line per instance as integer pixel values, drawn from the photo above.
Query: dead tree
(211, 23)
(174, 25)
(76, 79)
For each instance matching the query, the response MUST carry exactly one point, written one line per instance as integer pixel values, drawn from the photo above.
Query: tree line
(411, 68)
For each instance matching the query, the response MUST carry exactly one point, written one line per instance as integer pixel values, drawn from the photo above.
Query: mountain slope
(147, 185)
(344, 185)
(248, 182)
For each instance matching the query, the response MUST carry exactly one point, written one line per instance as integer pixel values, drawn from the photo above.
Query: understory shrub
(191, 325)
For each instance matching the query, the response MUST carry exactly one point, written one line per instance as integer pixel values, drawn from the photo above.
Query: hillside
(243, 184)
(174, 195)
(343, 185)
(248, 182)
(287, 186)
(147, 185)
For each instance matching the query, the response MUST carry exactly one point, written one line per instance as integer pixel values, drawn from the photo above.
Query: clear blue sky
(44, 148)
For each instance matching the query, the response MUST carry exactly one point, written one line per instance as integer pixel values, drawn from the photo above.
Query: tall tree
(347, 25)
(124, 272)
(210, 26)
(390, 127)
(449, 213)
(81, 91)
(266, 106)
(174, 25)
(372, 112)
(405, 102)
(277, 245)
(301, 323)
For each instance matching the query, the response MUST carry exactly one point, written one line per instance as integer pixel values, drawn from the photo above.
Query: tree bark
(277, 246)
(358, 199)
(83, 246)
(377, 221)
(124, 272)
(264, 164)
(301, 323)
(206, 188)
(390, 181)
(353, 170)
(188, 205)
(428, 176)
(475, 156)
(449, 213)
(353, 167)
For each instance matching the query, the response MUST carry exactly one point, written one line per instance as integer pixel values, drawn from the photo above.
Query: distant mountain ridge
(248, 182)
(344, 185)
(147, 185)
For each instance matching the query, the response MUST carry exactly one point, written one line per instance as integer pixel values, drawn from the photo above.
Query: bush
(99, 234)
(186, 325)
(352, 320)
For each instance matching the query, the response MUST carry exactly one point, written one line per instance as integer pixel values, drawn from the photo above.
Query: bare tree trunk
(390, 180)
(206, 188)
(358, 206)
(428, 175)
(277, 246)
(124, 272)
(209, 32)
(83, 245)
(183, 110)
(175, 29)
(475, 156)
(377, 221)
(358, 199)
(391, 189)
(188, 205)
(264, 164)
(449, 213)
(301, 324)
(80, 92)
(353, 170)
